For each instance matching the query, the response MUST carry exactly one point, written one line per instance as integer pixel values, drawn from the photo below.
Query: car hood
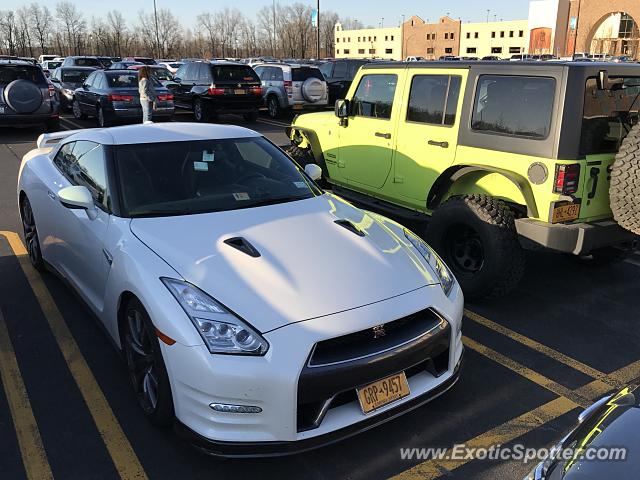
(309, 265)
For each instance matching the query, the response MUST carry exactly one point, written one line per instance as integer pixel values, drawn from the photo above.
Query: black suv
(339, 75)
(212, 88)
(26, 97)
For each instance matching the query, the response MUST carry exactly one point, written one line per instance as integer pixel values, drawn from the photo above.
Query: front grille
(336, 367)
(364, 343)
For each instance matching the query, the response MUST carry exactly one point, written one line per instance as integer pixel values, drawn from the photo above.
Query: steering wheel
(249, 176)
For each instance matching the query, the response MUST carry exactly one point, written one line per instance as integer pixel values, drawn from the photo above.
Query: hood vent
(240, 243)
(350, 226)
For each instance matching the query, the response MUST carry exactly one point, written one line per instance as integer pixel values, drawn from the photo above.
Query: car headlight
(221, 330)
(68, 93)
(446, 278)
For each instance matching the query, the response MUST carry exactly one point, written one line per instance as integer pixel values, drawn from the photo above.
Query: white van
(44, 58)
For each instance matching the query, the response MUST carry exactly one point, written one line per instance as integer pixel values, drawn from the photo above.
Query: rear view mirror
(314, 171)
(342, 108)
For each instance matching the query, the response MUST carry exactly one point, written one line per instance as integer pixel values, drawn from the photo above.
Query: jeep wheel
(624, 191)
(273, 106)
(476, 237)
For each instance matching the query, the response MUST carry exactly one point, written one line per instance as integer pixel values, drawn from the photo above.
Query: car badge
(379, 331)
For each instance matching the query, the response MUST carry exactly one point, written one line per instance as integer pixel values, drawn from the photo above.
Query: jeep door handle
(594, 176)
(383, 135)
(439, 144)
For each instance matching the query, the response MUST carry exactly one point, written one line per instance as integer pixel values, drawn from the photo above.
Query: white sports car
(257, 313)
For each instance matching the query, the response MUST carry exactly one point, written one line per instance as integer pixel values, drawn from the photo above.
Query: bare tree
(73, 24)
(8, 31)
(211, 26)
(117, 27)
(41, 22)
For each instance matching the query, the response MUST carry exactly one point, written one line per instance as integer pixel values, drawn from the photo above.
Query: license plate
(383, 392)
(565, 213)
(239, 91)
(298, 107)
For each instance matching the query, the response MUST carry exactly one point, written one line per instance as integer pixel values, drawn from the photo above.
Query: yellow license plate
(566, 213)
(383, 392)
(239, 91)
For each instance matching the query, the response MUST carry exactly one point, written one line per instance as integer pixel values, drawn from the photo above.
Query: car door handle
(383, 135)
(439, 144)
(52, 195)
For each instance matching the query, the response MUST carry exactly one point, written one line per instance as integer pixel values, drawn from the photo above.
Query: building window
(468, 34)
(337, 40)
(493, 34)
(511, 34)
(369, 39)
(358, 38)
(386, 38)
(521, 33)
(501, 34)
(347, 51)
(433, 36)
(375, 39)
(475, 35)
(389, 51)
(448, 50)
(349, 39)
(515, 50)
(430, 51)
(392, 38)
(472, 50)
(361, 51)
(428, 36)
(496, 50)
(372, 51)
(338, 51)
(451, 35)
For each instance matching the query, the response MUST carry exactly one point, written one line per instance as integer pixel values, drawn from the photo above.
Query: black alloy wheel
(31, 235)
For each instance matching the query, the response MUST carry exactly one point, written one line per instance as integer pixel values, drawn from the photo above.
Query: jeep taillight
(567, 179)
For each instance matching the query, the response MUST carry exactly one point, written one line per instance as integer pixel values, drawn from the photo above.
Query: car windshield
(161, 73)
(123, 80)
(184, 178)
(87, 62)
(51, 65)
(75, 76)
(609, 114)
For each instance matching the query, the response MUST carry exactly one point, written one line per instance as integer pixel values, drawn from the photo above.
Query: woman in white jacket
(147, 93)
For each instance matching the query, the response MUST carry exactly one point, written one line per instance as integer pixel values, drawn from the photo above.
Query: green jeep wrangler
(502, 156)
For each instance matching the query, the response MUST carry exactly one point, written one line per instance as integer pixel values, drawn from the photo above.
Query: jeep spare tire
(23, 96)
(313, 90)
(624, 190)
(476, 237)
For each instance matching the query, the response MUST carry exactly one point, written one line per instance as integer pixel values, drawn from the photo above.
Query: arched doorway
(615, 34)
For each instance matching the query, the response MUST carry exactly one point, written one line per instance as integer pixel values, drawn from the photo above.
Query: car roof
(160, 133)
(505, 65)
(69, 67)
(17, 62)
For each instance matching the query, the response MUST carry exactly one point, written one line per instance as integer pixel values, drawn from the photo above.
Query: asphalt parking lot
(567, 335)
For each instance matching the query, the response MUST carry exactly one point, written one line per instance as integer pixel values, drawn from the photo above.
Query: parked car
(491, 58)
(449, 58)
(521, 57)
(256, 313)
(82, 61)
(123, 65)
(66, 80)
(49, 65)
(172, 66)
(415, 59)
(497, 156)
(339, 75)
(145, 60)
(44, 58)
(105, 61)
(26, 97)
(162, 74)
(296, 87)
(210, 89)
(112, 95)
(610, 423)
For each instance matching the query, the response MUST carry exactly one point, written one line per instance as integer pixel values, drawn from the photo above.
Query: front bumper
(278, 382)
(576, 238)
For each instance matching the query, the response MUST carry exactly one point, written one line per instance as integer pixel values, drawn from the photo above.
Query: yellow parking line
(34, 456)
(548, 351)
(122, 454)
(526, 372)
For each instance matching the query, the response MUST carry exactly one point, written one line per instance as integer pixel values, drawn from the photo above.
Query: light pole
(155, 14)
(273, 52)
(488, 12)
(318, 32)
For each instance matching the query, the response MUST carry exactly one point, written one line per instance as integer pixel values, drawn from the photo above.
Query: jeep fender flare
(312, 139)
(452, 174)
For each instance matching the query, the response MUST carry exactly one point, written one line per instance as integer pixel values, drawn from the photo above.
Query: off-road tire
(502, 257)
(624, 191)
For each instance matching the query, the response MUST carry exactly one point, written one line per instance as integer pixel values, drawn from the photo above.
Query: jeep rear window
(301, 74)
(434, 99)
(517, 106)
(609, 114)
(9, 73)
(233, 73)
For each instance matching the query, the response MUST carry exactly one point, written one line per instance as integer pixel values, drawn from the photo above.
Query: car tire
(251, 117)
(77, 113)
(31, 238)
(624, 190)
(476, 237)
(200, 111)
(52, 125)
(147, 370)
(103, 118)
(273, 106)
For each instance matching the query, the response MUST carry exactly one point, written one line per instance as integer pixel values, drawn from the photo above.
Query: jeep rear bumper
(576, 238)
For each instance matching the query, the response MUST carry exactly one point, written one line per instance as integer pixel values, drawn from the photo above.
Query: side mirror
(54, 80)
(342, 108)
(78, 197)
(177, 79)
(314, 171)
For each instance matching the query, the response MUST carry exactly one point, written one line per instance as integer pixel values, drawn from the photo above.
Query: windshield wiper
(158, 213)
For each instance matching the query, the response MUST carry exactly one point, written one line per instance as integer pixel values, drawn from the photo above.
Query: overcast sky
(370, 12)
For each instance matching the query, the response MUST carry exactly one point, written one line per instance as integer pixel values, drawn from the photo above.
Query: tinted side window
(181, 72)
(204, 74)
(374, 96)
(83, 164)
(64, 158)
(354, 67)
(90, 79)
(277, 74)
(302, 73)
(340, 70)
(190, 72)
(434, 99)
(326, 69)
(260, 71)
(515, 106)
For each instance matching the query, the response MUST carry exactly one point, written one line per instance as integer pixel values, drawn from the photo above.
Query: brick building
(430, 40)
